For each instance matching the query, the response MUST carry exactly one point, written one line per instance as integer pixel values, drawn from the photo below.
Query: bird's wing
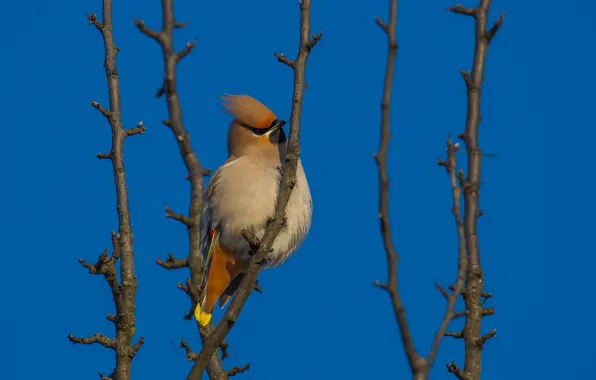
(209, 231)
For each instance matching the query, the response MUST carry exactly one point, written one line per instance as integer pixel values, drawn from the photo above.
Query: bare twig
(124, 293)
(416, 362)
(236, 370)
(482, 340)
(457, 372)
(178, 217)
(247, 285)
(173, 263)
(451, 166)
(95, 339)
(165, 38)
(190, 355)
(471, 188)
(138, 130)
(456, 335)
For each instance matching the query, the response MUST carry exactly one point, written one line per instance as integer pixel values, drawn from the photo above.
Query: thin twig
(236, 370)
(416, 362)
(451, 166)
(288, 179)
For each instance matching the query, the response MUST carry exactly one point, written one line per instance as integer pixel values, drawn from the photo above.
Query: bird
(242, 194)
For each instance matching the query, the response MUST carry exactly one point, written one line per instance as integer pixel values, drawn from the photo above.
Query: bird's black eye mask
(276, 124)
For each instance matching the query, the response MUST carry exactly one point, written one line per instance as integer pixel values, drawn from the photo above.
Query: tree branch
(288, 179)
(236, 370)
(124, 293)
(471, 189)
(451, 166)
(416, 362)
(165, 38)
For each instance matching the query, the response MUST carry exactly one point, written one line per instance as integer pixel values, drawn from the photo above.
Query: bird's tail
(222, 268)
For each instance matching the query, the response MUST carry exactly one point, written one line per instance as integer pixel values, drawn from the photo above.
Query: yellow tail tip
(202, 317)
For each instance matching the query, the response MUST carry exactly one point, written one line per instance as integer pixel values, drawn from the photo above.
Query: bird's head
(255, 129)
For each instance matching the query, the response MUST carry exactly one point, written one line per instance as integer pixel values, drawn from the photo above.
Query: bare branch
(187, 50)
(283, 59)
(471, 188)
(236, 370)
(104, 156)
(95, 339)
(417, 363)
(451, 166)
(138, 130)
(157, 36)
(461, 10)
(93, 21)
(107, 114)
(124, 294)
(179, 217)
(496, 26)
(482, 340)
(443, 291)
(457, 372)
(253, 242)
(172, 262)
(456, 335)
(190, 355)
(165, 38)
(288, 180)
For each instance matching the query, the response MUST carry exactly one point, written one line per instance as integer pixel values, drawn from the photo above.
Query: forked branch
(420, 366)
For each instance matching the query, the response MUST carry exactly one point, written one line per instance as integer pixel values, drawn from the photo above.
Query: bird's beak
(277, 124)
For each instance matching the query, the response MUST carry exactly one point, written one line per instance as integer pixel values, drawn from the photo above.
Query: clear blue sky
(319, 315)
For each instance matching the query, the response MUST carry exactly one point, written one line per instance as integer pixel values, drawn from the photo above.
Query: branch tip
(179, 217)
(380, 23)
(95, 339)
(138, 130)
(283, 59)
(456, 371)
(140, 24)
(107, 114)
(236, 370)
(496, 26)
(93, 21)
(172, 262)
(484, 338)
(187, 50)
(461, 10)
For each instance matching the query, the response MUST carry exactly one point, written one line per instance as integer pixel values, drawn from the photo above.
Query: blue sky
(319, 314)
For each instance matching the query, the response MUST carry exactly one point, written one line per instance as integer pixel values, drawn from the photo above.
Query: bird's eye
(258, 132)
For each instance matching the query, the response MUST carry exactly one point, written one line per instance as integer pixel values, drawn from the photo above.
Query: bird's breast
(243, 195)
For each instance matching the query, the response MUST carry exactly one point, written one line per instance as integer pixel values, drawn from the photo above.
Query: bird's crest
(248, 110)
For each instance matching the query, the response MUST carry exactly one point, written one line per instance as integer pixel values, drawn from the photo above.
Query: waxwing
(242, 195)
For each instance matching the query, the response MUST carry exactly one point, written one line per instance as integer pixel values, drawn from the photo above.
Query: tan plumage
(249, 111)
(242, 194)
